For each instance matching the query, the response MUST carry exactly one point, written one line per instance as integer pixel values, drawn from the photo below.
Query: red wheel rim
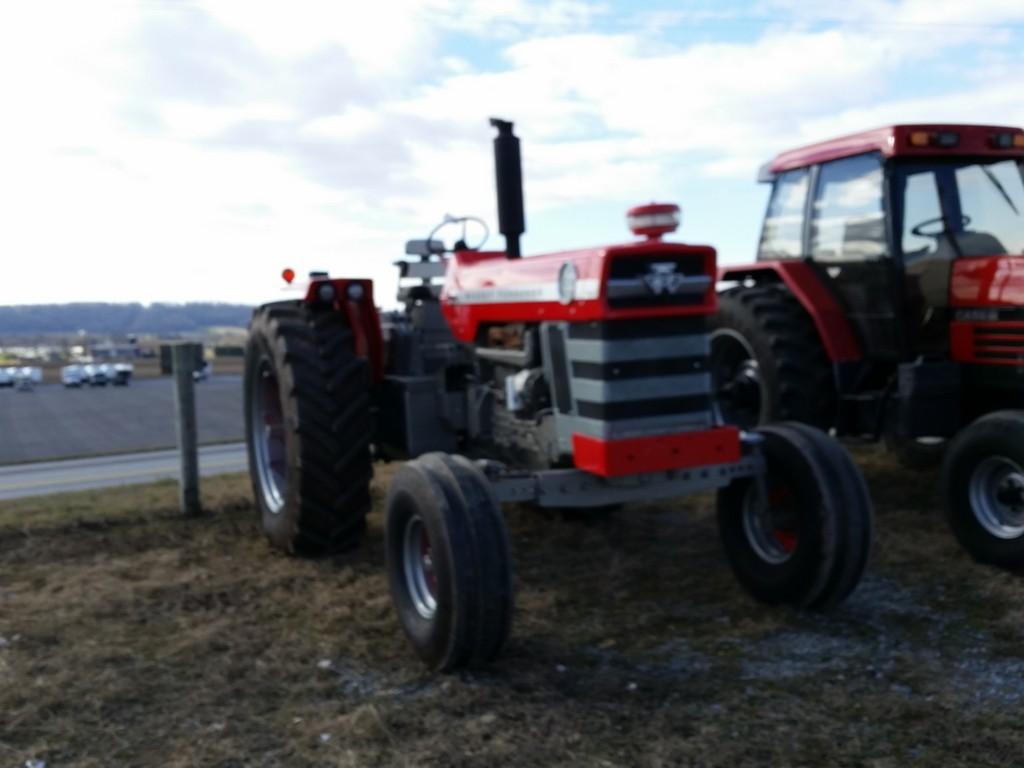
(771, 522)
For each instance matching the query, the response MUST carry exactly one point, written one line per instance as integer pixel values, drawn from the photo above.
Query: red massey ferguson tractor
(887, 302)
(570, 380)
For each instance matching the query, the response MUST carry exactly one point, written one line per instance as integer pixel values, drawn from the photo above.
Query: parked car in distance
(73, 376)
(122, 374)
(95, 375)
(26, 377)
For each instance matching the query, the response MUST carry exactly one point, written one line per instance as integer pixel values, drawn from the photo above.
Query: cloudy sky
(175, 150)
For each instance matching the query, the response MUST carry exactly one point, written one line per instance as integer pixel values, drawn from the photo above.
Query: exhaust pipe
(508, 174)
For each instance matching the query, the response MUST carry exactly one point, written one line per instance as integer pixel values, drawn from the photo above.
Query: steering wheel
(919, 229)
(460, 244)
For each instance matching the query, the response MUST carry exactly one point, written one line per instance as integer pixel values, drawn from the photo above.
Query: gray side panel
(633, 389)
(596, 351)
(625, 390)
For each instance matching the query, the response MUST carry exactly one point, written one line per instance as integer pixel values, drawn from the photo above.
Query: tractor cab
(883, 216)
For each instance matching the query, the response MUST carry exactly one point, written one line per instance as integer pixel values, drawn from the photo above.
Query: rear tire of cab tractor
(983, 485)
(307, 413)
(767, 361)
(449, 563)
(803, 537)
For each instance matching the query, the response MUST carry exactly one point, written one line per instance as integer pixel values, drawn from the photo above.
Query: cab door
(847, 240)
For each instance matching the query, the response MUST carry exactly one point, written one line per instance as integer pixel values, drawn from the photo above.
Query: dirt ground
(130, 636)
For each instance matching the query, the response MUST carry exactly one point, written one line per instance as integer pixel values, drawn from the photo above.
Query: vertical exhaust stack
(508, 174)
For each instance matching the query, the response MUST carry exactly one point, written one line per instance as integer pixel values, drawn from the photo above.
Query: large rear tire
(307, 421)
(803, 538)
(767, 361)
(449, 562)
(983, 483)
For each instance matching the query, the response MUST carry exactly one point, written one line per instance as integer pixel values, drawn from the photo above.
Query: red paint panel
(837, 336)
(476, 271)
(617, 458)
(987, 281)
(893, 140)
(987, 342)
(362, 319)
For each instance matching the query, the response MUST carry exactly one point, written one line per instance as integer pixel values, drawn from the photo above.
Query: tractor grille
(630, 378)
(998, 344)
(657, 281)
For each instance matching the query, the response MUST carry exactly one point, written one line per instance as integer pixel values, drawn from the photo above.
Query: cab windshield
(960, 209)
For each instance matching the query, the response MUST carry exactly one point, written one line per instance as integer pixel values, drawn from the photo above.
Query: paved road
(102, 471)
(53, 422)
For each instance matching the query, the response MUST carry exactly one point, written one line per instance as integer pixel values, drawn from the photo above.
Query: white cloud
(192, 150)
(353, 123)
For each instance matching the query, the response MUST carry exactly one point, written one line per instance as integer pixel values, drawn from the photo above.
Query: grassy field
(130, 636)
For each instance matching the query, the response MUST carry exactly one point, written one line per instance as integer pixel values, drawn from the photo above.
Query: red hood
(485, 287)
(988, 281)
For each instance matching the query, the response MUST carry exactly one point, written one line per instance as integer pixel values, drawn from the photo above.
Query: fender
(354, 299)
(841, 345)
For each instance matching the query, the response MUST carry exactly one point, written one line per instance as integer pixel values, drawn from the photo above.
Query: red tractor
(570, 380)
(887, 302)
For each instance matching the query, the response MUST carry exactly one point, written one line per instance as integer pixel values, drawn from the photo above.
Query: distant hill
(98, 318)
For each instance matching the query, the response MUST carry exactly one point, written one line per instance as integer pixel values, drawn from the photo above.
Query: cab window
(921, 205)
(848, 223)
(782, 236)
(961, 208)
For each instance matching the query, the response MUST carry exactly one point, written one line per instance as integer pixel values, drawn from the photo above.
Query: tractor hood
(988, 281)
(635, 280)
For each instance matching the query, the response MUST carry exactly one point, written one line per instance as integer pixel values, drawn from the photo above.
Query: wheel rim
(418, 565)
(737, 379)
(771, 524)
(996, 492)
(268, 431)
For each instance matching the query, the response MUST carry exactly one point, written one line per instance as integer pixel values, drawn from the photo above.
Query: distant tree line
(115, 319)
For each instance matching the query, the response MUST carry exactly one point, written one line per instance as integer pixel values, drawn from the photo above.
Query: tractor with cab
(887, 303)
(569, 380)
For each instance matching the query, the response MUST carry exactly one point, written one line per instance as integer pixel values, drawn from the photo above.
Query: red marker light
(288, 274)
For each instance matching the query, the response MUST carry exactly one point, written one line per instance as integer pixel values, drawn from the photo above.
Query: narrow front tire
(801, 534)
(449, 562)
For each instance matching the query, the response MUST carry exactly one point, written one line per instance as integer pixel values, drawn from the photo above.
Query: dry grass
(132, 636)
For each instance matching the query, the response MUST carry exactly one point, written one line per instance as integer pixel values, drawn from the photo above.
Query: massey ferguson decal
(663, 278)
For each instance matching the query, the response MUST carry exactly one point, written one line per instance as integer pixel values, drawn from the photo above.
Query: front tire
(449, 563)
(307, 428)
(983, 479)
(803, 538)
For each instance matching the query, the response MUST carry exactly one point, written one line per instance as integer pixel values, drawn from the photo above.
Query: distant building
(108, 350)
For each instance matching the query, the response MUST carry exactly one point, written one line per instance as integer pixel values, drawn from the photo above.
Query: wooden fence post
(184, 365)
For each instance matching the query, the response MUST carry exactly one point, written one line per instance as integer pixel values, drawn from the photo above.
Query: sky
(189, 150)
